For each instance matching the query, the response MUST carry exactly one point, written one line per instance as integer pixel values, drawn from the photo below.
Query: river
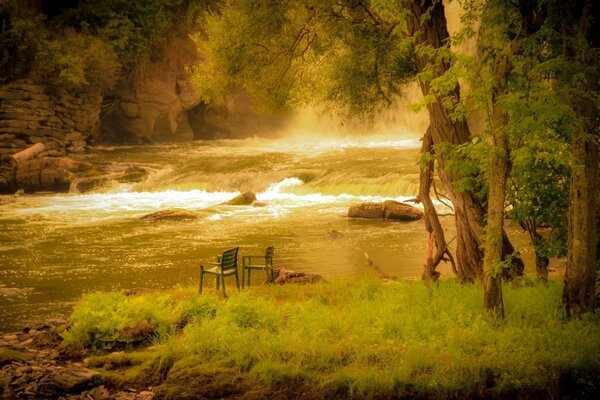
(54, 247)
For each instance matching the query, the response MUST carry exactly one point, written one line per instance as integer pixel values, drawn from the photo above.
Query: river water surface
(54, 247)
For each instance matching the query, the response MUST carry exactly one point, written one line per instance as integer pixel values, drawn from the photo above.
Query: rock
(10, 356)
(283, 276)
(8, 175)
(154, 106)
(89, 184)
(366, 210)
(130, 110)
(133, 174)
(401, 211)
(52, 382)
(174, 214)
(389, 209)
(244, 199)
(335, 234)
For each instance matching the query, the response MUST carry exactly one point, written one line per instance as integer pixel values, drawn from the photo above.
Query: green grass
(347, 339)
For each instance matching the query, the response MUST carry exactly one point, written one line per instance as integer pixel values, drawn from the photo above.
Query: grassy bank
(342, 339)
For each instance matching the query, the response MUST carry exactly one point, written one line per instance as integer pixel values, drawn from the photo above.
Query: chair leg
(218, 282)
(249, 276)
(201, 281)
(237, 281)
(243, 276)
(223, 285)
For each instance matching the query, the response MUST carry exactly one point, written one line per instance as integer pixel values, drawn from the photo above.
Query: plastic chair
(249, 265)
(226, 265)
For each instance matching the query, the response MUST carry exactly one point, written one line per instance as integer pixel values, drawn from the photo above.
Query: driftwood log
(284, 276)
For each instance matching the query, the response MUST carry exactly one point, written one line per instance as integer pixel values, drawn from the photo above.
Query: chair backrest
(229, 258)
(269, 256)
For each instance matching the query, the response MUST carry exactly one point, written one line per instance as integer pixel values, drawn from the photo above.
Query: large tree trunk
(492, 282)
(497, 172)
(467, 207)
(580, 275)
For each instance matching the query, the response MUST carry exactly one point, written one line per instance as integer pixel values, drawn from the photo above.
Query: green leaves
(350, 56)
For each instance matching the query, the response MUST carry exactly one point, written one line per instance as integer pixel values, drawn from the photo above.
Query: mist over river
(54, 247)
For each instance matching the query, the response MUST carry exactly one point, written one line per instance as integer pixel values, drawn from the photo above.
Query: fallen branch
(379, 271)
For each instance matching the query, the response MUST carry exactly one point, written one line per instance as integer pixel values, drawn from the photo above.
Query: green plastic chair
(249, 265)
(226, 265)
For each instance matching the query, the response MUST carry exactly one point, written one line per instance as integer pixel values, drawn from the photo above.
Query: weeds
(358, 339)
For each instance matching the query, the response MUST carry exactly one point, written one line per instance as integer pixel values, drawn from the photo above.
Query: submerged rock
(335, 234)
(133, 175)
(244, 199)
(389, 209)
(173, 214)
(88, 184)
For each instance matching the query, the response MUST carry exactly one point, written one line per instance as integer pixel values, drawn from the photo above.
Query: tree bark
(467, 207)
(497, 172)
(580, 275)
(432, 221)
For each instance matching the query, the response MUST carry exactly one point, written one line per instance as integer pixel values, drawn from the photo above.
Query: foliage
(132, 28)
(290, 52)
(20, 43)
(537, 121)
(67, 60)
(77, 62)
(85, 47)
(104, 320)
(363, 338)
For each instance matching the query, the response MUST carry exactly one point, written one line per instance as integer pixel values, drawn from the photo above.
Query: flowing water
(54, 247)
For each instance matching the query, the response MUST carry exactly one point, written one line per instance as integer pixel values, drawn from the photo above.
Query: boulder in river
(389, 209)
(244, 199)
(401, 211)
(172, 214)
(366, 210)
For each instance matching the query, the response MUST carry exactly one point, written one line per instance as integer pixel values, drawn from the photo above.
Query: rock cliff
(30, 115)
(150, 104)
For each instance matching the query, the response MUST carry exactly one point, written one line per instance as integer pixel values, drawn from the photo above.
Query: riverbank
(345, 339)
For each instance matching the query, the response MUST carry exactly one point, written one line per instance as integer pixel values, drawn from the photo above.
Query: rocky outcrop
(389, 209)
(30, 115)
(151, 105)
(37, 169)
